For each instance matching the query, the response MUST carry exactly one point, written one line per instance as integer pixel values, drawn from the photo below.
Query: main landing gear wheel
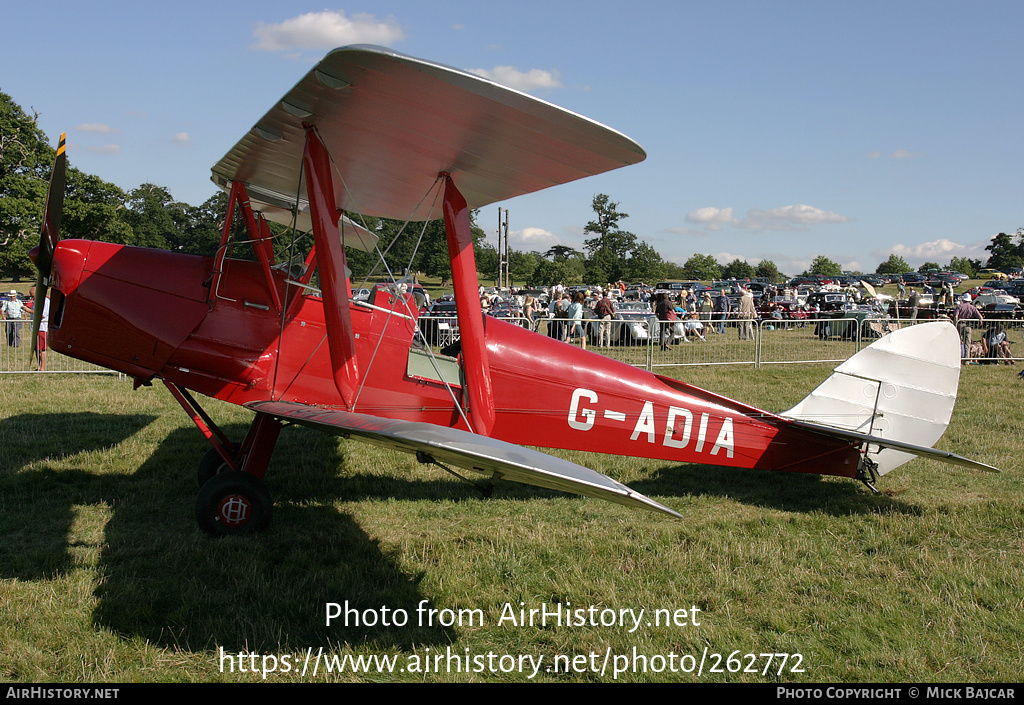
(210, 465)
(233, 503)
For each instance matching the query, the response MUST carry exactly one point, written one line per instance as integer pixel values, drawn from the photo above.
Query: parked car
(988, 298)
(635, 323)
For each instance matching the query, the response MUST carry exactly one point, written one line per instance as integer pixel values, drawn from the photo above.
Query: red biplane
(375, 132)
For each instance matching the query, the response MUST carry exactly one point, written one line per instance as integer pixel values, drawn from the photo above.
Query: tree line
(148, 216)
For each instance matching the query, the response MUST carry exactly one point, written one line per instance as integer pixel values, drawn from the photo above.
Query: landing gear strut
(232, 498)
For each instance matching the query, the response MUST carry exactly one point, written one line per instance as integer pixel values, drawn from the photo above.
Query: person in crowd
(746, 316)
(12, 311)
(722, 308)
(693, 326)
(530, 311)
(605, 312)
(706, 306)
(914, 302)
(577, 331)
(998, 344)
(665, 310)
(43, 329)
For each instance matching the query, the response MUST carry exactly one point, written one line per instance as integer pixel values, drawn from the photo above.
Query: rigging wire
(398, 299)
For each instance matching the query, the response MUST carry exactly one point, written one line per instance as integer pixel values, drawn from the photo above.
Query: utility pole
(504, 266)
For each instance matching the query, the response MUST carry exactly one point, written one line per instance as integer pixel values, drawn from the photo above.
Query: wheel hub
(234, 510)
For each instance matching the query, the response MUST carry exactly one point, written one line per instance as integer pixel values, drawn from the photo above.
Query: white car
(993, 298)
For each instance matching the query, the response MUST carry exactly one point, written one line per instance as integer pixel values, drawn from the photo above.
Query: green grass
(105, 577)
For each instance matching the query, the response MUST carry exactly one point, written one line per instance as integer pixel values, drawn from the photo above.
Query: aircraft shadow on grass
(794, 492)
(167, 582)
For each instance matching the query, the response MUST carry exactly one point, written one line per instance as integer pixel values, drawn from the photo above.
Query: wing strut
(467, 303)
(334, 282)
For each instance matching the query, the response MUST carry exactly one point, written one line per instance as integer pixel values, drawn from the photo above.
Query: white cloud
(795, 217)
(727, 257)
(940, 251)
(183, 138)
(532, 239)
(326, 30)
(712, 218)
(97, 128)
(534, 79)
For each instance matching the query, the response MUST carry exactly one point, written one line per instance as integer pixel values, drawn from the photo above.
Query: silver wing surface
(392, 123)
(465, 450)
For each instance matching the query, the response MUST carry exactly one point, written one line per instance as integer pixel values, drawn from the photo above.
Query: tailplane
(895, 397)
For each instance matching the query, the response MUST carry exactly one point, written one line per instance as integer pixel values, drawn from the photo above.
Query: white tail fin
(900, 388)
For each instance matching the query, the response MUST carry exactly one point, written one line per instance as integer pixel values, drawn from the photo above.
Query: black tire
(210, 464)
(233, 503)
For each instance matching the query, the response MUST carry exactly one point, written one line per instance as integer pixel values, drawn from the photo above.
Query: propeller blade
(48, 239)
(54, 210)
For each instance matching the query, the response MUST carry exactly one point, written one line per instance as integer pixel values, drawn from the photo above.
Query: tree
(738, 269)
(611, 246)
(568, 271)
(894, 265)
(522, 265)
(201, 231)
(674, 271)
(702, 268)
(1004, 252)
(964, 266)
(824, 266)
(559, 253)
(155, 217)
(487, 261)
(767, 269)
(25, 159)
(644, 264)
(93, 208)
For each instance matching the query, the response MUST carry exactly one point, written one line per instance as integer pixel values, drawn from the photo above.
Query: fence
(763, 342)
(16, 353)
(642, 343)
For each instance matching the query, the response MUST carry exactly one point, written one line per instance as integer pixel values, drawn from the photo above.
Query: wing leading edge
(465, 450)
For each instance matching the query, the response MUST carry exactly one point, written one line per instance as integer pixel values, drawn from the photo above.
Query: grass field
(105, 577)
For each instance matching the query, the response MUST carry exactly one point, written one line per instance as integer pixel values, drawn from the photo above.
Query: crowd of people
(691, 314)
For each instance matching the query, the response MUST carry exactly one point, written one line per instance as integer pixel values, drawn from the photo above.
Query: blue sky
(779, 130)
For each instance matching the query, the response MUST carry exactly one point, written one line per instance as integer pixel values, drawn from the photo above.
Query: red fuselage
(157, 314)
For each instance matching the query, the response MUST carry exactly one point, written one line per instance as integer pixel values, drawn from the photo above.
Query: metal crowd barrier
(646, 343)
(16, 353)
(812, 340)
(650, 344)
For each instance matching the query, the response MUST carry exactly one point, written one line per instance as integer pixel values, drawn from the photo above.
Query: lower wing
(463, 449)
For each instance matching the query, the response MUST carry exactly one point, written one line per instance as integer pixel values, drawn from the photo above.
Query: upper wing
(466, 450)
(392, 123)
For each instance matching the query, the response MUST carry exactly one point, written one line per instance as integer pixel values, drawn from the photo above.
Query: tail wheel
(233, 503)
